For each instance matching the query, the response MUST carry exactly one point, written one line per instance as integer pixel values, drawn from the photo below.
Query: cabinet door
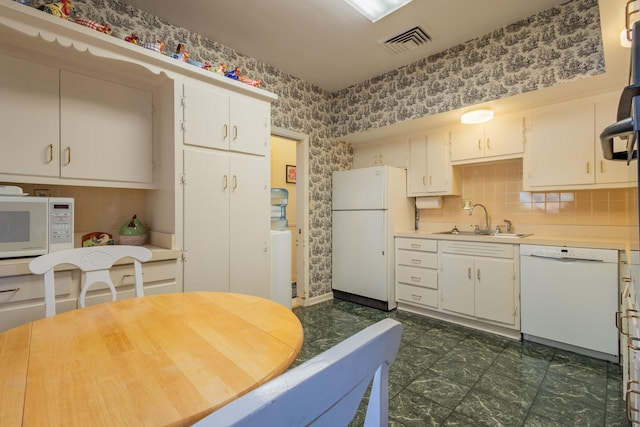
(206, 117)
(504, 136)
(206, 220)
(560, 147)
(495, 290)
(438, 165)
(457, 284)
(609, 172)
(250, 223)
(417, 167)
(250, 129)
(29, 117)
(105, 130)
(467, 142)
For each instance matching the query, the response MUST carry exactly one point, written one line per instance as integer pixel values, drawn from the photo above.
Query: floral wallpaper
(553, 47)
(556, 46)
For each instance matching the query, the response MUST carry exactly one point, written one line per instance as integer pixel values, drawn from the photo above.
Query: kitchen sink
(473, 233)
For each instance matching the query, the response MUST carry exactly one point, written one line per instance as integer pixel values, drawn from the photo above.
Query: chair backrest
(95, 262)
(325, 390)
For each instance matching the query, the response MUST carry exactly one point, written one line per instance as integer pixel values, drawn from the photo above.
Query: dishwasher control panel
(604, 255)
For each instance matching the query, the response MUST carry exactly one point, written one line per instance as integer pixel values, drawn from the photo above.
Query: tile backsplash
(498, 186)
(98, 208)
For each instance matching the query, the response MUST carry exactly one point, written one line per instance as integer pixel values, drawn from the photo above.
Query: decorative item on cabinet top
(97, 238)
(133, 233)
(64, 9)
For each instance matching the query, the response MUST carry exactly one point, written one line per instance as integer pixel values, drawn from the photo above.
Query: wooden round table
(158, 360)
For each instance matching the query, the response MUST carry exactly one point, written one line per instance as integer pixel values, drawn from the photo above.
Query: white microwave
(32, 226)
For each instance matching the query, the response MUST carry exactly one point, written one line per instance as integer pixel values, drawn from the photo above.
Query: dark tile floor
(449, 375)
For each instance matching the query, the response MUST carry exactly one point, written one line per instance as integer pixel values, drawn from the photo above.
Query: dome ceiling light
(477, 116)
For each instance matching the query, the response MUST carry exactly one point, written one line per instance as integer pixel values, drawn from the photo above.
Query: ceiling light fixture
(477, 116)
(375, 10)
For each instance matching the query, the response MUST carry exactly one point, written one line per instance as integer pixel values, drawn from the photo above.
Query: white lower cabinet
(417, 272)
(478, 287)
(159, 277)
(473, 283)
(22, 296)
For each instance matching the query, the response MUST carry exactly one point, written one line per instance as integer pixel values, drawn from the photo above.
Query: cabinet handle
(415, 278)
(619, 317)
(602, 166)
(416, 245)
(469, 272)
(479, 144)
(430, 179)
(489, 143)
(235, 182)
(68, 150)
(630, 409)
(226, 131)
(50, 153)
(424, 180)
(478, 274)
(416, 261)
(10, 290)
(416, 297)
(630, 342)
(235, 133)
(588, 167)
(226, 182)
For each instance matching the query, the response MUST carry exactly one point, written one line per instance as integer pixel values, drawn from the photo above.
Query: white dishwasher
(568, 298)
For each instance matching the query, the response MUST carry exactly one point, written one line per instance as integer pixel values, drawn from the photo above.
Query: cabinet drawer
(102, 297)
(417, 276)
(152, 272)
(417, 295)
(417, 259)
(426, 245)
(31, 286)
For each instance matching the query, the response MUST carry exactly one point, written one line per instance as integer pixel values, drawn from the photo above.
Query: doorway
(291, 150)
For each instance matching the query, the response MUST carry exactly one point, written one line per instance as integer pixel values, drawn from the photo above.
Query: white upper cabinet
(60, 125)
(106, 130)
(563, 148)
(217, 118)
(206, 116)
(390, 153)
(29, 117)
(500, 138)
(429, 170)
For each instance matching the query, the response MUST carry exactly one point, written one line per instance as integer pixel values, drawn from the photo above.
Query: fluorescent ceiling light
(477, 116)
(375, 10)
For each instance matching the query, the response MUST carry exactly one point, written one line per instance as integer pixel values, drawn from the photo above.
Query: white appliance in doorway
(369, 205)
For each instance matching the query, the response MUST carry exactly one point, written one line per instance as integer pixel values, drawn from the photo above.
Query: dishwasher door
(570, 304)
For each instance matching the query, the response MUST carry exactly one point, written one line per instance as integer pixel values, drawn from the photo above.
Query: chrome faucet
(506, 221)
(486, 218)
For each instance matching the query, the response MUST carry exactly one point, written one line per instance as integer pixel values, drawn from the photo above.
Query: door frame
(302, 209)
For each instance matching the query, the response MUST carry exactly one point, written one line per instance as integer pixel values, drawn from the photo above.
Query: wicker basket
(132, 240)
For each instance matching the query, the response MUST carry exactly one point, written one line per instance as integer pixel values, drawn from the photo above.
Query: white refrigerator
(368, 206)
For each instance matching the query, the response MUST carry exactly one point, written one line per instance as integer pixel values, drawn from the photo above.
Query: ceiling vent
(409, 40)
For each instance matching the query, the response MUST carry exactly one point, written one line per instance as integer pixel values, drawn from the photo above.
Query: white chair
(324, 391)
(95, 262)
